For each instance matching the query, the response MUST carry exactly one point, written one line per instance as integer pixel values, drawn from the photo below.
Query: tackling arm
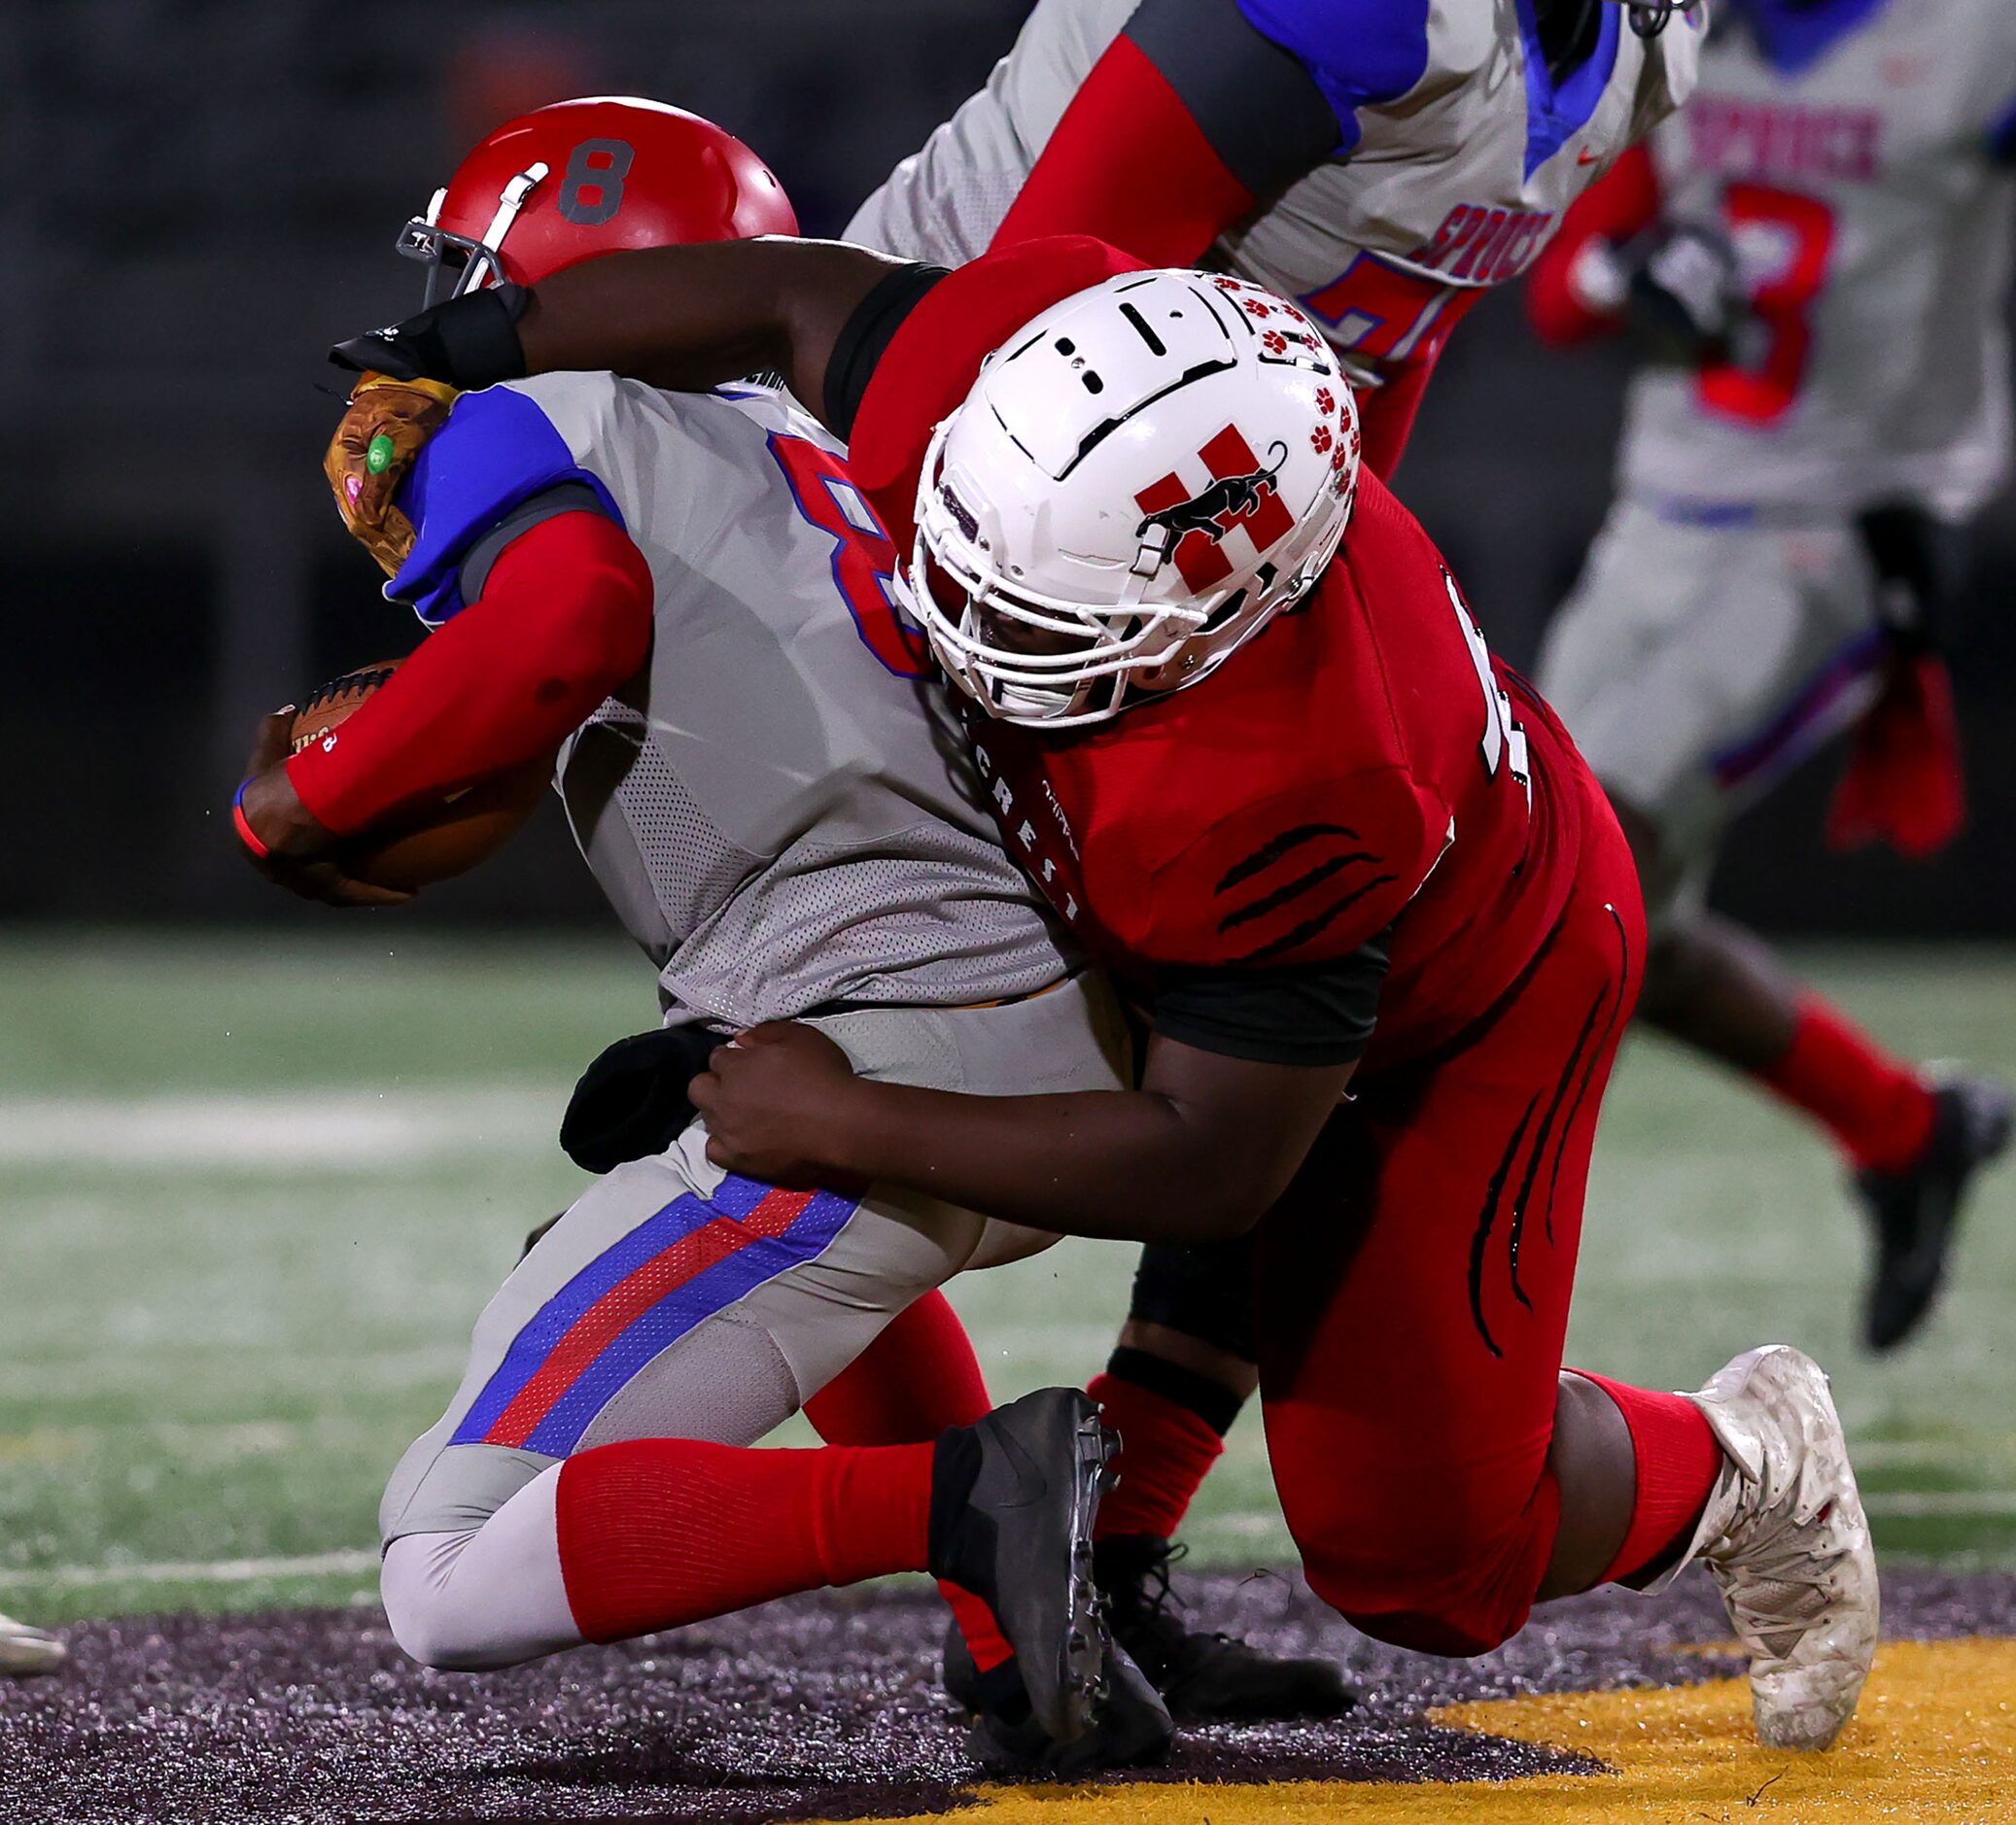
(1198, 1154)
(685, 318)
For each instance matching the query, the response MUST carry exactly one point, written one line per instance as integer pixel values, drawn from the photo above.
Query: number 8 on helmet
(582, 178)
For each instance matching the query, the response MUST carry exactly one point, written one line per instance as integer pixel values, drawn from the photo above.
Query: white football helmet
(1139, 481)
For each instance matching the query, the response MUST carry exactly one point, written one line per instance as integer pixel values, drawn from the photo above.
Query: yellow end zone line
(1936, 1740)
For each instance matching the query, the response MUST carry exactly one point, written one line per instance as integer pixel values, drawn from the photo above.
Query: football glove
(470, 341)
(382, 431)
(1905, 784)
(1682, 293)
(632, 1101)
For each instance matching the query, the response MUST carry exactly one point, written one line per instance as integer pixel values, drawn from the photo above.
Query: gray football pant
(673, 1300)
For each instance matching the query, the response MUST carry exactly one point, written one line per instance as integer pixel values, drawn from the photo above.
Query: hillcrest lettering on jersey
(1240, 494)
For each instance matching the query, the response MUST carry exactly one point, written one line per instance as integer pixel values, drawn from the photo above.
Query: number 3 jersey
(1362, 773)
(778, 806)
(1849, 149)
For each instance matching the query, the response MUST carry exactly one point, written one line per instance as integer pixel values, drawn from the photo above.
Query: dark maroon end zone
(817, 1707)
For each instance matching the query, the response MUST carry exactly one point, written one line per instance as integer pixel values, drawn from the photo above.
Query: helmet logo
(962, 515)
(1243, 493)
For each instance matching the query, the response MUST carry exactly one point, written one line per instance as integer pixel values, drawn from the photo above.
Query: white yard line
(349, 1561)
(299, 1131)
(1909, 1504)
(354, 1562)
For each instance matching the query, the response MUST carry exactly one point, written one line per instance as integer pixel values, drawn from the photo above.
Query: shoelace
(1786, 1563)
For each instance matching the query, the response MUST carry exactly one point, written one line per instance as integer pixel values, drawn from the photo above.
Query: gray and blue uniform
(1858, 157)
(782, 812)
(1408, 154)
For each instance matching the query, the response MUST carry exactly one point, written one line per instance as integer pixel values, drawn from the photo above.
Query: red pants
(1413, 1293)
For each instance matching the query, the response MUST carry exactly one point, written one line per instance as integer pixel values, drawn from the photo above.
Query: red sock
(916, 1379)
(1677, 1463)
(1165, 1451)
(1877, 1107)
(658, 1533)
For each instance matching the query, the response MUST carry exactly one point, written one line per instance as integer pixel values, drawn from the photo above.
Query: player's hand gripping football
(776, 1102)
(382, 431)
(282, 837)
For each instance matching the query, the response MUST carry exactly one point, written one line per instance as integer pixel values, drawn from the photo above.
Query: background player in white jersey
(1384, 162)
(1820, 246)
(787, 826)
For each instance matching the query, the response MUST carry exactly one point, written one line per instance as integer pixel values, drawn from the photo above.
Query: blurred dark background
(203, 195)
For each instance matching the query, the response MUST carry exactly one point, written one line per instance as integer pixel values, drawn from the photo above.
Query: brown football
(426, 843)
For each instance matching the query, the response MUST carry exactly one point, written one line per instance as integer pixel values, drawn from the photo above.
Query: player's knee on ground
(437, 1625)
(1411, 1552)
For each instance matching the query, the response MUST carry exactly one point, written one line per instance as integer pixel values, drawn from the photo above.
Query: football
(430, 842)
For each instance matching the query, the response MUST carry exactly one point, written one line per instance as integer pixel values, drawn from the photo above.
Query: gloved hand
(1905, 784)
(1684, 297)
(469, 341)
(632, 1101)
(381, 432)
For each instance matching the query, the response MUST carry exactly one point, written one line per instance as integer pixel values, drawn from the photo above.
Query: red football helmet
(581, 178)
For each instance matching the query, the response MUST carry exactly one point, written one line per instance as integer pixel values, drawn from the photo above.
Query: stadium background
(259, 1164)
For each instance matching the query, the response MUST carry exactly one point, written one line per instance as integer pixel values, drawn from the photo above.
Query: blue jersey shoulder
(497, 451)
(1356, 51)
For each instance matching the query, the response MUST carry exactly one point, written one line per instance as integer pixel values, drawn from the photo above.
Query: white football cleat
(25, 1650)
(1785, 1538)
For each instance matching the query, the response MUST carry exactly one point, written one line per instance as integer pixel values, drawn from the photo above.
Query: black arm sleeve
(865, 335)
(1320, 1014)
(1254, 101)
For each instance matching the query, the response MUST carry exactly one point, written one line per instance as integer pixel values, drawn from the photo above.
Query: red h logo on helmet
(1242, 495)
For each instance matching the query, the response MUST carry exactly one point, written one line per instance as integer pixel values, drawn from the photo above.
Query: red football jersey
(1363, 764)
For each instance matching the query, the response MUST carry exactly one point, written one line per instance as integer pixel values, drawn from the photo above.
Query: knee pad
(1206, 1292)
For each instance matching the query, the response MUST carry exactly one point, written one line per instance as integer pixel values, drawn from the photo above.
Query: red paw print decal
(1258, 307)
(1321, 438)
(1326, 401)
(1274, 342)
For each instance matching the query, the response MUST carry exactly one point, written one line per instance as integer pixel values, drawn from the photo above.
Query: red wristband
(243, 824)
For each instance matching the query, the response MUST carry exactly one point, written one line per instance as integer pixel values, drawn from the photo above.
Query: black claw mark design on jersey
(1610, 1028)
(1581, 1070)
(1229, 500)
(1487, 1220)
(1296, 841)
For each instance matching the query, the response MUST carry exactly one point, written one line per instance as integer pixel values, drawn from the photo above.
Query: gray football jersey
(1874, 238)
(1463, 156)
(780, 807)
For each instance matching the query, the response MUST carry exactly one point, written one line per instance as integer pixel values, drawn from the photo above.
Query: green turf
(208, 1359)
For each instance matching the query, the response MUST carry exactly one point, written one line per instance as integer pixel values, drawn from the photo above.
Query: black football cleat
(1916, 1212)
(1131, 1729)
(1203, 1678)
(1013, 1497)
